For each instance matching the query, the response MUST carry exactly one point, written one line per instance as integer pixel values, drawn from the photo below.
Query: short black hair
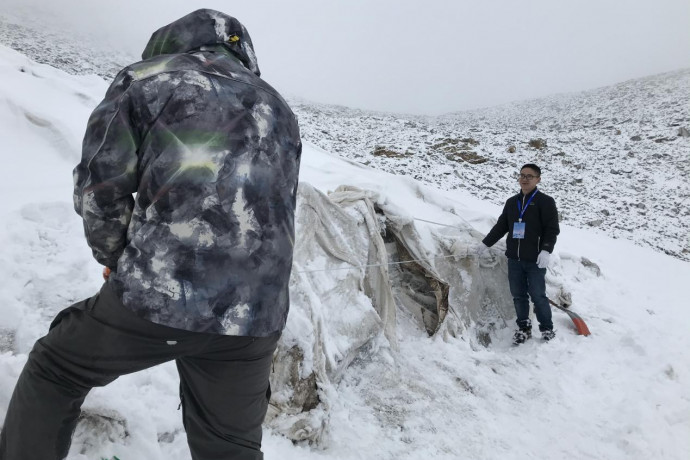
(532, 166)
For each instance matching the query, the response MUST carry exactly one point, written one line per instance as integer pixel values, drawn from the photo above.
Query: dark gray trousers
(223, 381)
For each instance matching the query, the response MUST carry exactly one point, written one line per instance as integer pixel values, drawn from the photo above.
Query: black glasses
(526, 176)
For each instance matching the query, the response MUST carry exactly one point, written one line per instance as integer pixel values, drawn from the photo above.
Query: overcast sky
(426, 57)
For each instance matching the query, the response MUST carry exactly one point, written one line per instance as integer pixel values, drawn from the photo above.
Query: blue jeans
(527, 278)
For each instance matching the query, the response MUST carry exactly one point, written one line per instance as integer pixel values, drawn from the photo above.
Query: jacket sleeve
(106, 177)
(549, 224)
(498, 230)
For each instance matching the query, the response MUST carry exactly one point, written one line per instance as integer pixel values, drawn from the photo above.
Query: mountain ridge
(615, 158)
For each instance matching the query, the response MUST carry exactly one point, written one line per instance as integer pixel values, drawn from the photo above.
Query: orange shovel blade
(579, 323)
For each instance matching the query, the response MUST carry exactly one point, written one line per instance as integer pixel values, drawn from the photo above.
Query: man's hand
(543, 259)
(106, 273)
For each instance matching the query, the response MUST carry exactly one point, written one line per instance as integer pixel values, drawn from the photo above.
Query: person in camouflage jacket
(187, 189)
(212, 153)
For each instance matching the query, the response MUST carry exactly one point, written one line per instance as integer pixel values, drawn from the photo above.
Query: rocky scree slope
(615, 158)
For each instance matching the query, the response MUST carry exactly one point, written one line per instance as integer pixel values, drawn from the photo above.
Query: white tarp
(357, 262)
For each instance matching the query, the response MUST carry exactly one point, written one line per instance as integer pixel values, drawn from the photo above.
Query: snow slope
(612, 157)
(622, 393)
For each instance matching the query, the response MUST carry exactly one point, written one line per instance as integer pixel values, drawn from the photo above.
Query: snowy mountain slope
(621, 393)
(31, 35)
(612, 157)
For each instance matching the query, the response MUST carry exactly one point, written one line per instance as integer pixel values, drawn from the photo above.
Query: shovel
(579, 323)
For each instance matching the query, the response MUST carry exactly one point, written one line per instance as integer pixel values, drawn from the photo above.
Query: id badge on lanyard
(519, 227)
(519, 230)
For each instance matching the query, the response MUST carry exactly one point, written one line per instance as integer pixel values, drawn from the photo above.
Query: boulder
(539, 144)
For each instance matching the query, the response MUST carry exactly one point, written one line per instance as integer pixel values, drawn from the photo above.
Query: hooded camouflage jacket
(212, 153)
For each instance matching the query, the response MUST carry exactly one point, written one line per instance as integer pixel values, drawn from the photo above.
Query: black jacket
(541, 229)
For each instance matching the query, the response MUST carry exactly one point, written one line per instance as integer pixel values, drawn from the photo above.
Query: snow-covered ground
(612, 157)
(621, 393)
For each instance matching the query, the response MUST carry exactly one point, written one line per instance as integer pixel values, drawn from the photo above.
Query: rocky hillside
(68, 52)
(615, 158)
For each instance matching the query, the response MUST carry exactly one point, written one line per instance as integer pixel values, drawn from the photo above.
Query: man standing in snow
(200, 260)
(530, 219)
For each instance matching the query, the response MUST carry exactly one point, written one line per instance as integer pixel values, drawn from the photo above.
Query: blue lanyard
(520, 208)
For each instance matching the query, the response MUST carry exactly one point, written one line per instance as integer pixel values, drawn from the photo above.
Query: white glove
(543, 259)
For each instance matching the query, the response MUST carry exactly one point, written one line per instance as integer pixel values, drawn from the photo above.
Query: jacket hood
(203, 28)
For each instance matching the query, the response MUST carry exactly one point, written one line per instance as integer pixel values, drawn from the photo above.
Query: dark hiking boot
(548, 335)
(521, 335)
